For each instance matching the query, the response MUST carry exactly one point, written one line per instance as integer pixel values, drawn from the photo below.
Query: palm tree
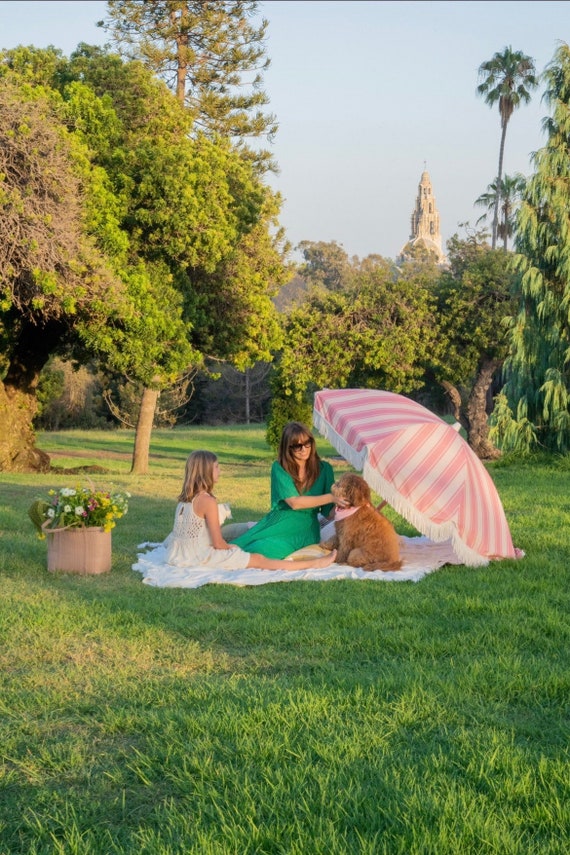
(510, 193)
(508, 77)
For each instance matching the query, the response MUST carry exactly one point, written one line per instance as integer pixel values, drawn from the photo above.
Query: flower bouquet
(78, 523)
(72, 507)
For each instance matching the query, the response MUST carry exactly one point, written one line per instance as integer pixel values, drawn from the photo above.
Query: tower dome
(425, 231)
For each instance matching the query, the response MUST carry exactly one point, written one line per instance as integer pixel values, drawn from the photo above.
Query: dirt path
(117, 455)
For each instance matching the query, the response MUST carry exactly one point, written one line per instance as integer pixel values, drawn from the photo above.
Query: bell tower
(425, 235)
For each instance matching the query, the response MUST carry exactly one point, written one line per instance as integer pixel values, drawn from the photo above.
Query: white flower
(67, 509)
(50, 513)
(79, 510)
(67, 491)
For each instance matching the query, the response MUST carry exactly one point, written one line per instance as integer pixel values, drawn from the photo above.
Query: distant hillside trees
(411, 329)
(377, 332)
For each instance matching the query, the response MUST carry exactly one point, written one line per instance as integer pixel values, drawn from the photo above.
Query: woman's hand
(341, 502)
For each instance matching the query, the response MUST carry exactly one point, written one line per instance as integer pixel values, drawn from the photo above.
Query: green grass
(302, 718)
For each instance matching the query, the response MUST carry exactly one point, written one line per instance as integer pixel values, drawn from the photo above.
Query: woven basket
(79, 550)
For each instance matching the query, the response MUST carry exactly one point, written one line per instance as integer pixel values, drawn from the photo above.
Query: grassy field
(307, 718)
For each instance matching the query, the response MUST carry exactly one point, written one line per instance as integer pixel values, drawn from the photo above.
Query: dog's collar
(342, 513)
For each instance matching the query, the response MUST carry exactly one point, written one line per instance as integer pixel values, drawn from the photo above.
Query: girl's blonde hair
(199, 475)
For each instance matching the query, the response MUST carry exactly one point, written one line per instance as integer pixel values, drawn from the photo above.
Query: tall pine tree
(212, 54)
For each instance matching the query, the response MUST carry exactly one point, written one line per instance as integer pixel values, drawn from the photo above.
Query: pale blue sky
(365, 92)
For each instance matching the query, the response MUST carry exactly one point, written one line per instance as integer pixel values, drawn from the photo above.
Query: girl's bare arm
(206, 506)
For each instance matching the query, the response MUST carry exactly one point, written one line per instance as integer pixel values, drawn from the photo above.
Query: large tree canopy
(165, 213)
(194, 204)
(55, 283)
(48, 265)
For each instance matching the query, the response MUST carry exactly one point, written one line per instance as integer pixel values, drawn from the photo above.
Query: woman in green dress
(300, 488)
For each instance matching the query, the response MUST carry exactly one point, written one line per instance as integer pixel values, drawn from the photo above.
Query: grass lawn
(304, 718)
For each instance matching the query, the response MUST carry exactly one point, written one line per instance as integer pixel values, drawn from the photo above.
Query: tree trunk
(18, 452)
(181, 54)
(455, 399)
(247, 396)
(498, 190)
(18, 403)
(143, 432)
(478, 433)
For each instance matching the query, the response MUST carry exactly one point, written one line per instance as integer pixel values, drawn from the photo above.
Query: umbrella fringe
(437, 533)
(355, 458)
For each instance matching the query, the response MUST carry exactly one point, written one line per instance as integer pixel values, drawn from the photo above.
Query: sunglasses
(299, 446)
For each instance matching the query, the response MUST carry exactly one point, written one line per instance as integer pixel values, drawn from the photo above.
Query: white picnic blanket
(419, 555)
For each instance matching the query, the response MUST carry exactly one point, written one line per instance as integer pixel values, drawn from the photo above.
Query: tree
(508, 77)
(169, 215)
(209, 53)
(36, 66)
(196, 212)
(164, 208)
(233, 314)
(326, 265)
(70, 397)
(56, 287)
(223, 394)
(538, 366)
(378, 333)
(510, 192)
(148, 339)
(473, 297)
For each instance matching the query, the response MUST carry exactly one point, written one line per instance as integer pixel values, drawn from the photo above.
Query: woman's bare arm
(298, 503)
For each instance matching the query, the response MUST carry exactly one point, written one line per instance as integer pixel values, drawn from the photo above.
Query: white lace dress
(189, 544)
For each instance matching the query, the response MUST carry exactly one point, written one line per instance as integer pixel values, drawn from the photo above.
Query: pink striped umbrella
(421, 465)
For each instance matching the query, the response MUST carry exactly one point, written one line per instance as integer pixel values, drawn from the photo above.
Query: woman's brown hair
(293, 433)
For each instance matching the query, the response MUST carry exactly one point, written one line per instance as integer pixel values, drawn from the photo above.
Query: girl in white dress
(196, 538)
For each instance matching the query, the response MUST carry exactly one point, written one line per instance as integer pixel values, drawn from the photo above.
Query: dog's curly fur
(365, 538)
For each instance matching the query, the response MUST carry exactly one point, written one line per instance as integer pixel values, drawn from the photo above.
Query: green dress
(283, 530)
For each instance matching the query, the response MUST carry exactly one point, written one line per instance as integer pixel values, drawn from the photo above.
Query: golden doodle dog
(364, 538)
